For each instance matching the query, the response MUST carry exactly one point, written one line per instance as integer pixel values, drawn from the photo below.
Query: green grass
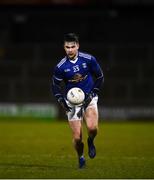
(37, 149)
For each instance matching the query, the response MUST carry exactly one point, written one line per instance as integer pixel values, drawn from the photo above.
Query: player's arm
(56, 89)
(97, 72)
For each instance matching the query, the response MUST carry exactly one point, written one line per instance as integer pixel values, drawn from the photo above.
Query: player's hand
(64, 105)
(88, 100)
(85, 103)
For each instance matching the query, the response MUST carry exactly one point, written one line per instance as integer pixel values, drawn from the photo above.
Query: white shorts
(72, 116)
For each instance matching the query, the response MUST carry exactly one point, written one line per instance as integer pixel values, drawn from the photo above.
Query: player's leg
(76, 126)
(75, 123)
(91, 118)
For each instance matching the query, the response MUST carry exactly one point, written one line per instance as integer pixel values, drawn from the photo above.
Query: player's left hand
(88, 100)
(85, 103)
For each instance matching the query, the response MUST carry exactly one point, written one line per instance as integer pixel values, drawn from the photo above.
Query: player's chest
(71, 69)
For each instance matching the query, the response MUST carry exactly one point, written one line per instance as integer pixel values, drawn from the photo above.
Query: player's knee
(93, 129)
(92, 126)
(77, 140)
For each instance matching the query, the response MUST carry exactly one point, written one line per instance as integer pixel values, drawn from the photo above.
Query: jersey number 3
(76, 68)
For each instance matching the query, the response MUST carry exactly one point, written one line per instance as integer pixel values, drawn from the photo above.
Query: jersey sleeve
(97, 72)
(56, 81)
(57, 75)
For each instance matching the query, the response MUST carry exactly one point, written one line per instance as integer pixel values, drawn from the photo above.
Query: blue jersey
(77, 73)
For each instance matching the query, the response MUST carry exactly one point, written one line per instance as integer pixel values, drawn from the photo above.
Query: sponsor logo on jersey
(77, 78)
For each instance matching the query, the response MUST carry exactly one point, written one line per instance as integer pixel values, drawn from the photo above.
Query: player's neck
(74, 58)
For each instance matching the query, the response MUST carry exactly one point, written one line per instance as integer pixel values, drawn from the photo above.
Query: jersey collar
(75, 60)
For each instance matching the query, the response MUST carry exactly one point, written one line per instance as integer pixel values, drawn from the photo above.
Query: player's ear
(64, 46)
(78, 45)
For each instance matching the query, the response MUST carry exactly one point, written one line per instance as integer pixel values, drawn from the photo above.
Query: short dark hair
(71, 37)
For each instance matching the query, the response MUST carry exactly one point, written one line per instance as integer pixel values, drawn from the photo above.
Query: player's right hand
(64, 105)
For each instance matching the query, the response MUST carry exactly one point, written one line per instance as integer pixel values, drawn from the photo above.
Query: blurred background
(119, 33)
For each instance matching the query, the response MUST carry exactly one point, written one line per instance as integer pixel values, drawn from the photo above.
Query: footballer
(79, 69)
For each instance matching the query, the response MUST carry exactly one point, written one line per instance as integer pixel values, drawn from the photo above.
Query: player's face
(71, 49)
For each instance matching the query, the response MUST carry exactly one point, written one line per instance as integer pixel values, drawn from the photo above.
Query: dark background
(119, 33)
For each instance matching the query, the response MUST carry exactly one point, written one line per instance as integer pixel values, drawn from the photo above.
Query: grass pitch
(43, 149)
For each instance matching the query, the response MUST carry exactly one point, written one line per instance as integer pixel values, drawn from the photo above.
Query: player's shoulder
(86, 55)
(61, 62)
